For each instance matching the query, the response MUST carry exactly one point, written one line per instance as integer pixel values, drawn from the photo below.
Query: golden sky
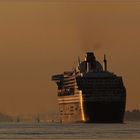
(40, 38)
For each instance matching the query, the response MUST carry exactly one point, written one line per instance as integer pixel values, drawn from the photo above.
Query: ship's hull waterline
(104, 112)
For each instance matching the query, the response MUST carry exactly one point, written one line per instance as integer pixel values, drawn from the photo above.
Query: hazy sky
(41, 38)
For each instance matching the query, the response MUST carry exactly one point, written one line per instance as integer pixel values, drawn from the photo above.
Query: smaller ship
(90, 93)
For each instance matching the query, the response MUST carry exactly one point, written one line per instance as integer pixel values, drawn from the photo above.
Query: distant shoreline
(133, 115)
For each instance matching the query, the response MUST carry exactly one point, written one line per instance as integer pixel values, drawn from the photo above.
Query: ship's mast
(105, 63)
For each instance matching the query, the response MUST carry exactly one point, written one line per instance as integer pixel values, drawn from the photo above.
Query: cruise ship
(90, 93)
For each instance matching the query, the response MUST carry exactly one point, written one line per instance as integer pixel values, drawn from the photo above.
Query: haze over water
(40, 38)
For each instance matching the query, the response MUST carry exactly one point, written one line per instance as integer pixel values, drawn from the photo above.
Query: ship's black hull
(104, 112)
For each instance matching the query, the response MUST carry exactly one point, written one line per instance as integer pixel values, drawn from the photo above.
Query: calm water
(127, 131)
